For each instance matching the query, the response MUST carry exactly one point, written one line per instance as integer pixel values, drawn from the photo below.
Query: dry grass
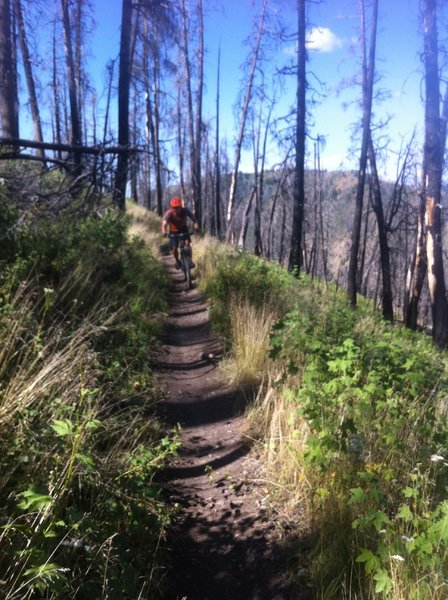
(145, 225)
(206, 251)
(274, 421)
(249, 335)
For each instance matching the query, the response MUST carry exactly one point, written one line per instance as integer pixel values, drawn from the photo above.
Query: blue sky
(333, 58)
(333, 51)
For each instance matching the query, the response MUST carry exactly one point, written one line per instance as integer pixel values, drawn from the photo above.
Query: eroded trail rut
(224, 544)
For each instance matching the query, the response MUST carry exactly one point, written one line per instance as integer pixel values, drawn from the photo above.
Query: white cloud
(322, 39)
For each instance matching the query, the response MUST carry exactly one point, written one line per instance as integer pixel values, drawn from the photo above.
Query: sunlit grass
(79, 443)
(146, 225)
(250, 328)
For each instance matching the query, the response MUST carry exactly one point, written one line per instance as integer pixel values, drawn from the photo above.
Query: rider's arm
(164, 224)
(194, 219)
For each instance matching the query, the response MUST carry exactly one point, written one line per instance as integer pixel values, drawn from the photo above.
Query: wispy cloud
(322, 39)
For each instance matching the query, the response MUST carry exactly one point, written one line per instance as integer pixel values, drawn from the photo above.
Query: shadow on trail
(229, 558)
(197, 412)
(222, 544)
(212, 465)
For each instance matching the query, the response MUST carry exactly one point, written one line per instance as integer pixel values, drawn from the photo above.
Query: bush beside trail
(351, 418)
(79, 316)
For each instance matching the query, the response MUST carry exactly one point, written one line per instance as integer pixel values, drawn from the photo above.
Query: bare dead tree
(295, 254)
(123, 103)
(433, 152)
(377, 205)
(29, 76)
(194, 109)
(56, 95)
(245, 218)
(72, 82)
(8, 74)
(244, 114)
(368, 75)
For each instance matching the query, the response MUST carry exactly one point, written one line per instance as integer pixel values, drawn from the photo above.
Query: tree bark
(121, 174)
(197, 175)
(8, 75)
(27, 66)
(75, 122)
(295, 255)
(57, 128)
(368, 72)
(245, 219)
(432, 184)
(377, 204)
(217, 227)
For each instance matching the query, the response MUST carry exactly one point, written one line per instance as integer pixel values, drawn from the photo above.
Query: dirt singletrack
(225, 543)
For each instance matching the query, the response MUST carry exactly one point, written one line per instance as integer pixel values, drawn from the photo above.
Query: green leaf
(371, 562)
(86, 460)
(405, 513)
(409, 492)
(379, 519)
(34, 500)
(43, 575)
(63, 428)
(439, 530)
(383, 581)
(357, 495)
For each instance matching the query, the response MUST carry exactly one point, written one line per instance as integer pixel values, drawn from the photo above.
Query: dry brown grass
(249, 335)
(145, 225)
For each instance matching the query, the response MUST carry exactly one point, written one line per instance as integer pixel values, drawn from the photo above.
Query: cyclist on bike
(176, 217)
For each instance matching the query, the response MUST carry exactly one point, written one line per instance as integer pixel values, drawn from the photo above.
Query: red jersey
(177, 220)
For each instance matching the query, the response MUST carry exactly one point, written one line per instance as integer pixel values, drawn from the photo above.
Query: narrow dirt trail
(224, 544)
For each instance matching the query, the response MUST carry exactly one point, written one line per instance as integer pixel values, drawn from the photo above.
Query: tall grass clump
(246, 295)
(146, 225)
(80, 446)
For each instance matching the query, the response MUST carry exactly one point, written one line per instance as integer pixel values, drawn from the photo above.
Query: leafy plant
(83, 512)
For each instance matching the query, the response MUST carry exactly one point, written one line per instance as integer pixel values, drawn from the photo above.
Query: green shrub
(256, 281)
(80, 444)
(373, 396)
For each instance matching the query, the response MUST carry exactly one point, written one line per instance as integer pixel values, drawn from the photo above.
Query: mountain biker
(176, 218)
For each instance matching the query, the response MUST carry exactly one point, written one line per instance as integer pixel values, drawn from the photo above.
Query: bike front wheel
(186, 267)
(187, 272)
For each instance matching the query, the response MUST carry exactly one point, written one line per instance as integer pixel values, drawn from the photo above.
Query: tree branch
(98, 149)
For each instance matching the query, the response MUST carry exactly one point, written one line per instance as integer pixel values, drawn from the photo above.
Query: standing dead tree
(194, 99)
(368, 75)
(242, 126)
(295, 254)
(29, 76)
(72, 81)
(377, 205)
(123, 103)
(434, 147)
(9, 120)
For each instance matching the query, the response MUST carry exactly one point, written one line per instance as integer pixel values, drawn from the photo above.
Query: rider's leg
(175, 251)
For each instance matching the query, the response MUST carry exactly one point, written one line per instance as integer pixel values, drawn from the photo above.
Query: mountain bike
(184, 257)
